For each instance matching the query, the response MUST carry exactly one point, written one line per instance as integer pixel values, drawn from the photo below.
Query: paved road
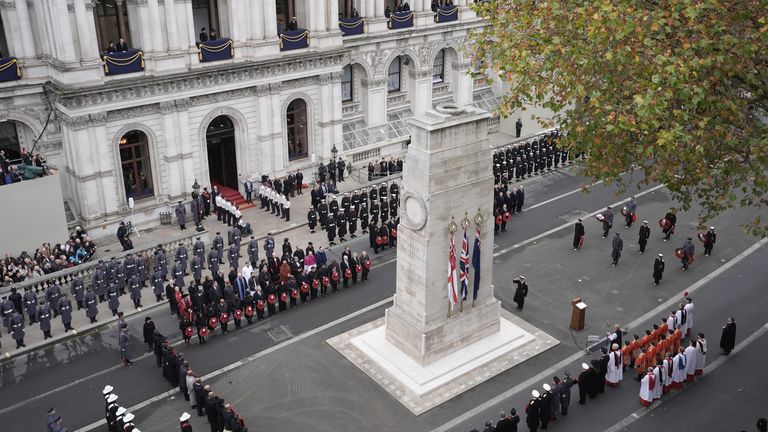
(84, 365)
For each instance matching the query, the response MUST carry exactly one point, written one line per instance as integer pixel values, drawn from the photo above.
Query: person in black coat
(158, 340)
(532, 411)
(520, 195)
(149, 333)
(603, 369)
(578, 235)
(521, 292)
(728, 338)
(584, 381)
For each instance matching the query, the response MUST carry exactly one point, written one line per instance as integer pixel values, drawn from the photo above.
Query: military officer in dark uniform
(30, 304)
(341, 226)
(312, 220)
(44, 318)
(322, 212)
(65, 311)
(218, 243)
(330, 228)
(352, 221)
(364, 217)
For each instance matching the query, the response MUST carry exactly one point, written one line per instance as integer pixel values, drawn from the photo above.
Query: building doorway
(222, 156)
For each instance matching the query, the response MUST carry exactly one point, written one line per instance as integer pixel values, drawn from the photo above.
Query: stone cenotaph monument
(427, 350)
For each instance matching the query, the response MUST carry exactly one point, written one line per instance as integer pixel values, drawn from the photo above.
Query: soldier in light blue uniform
(183, 256)
(91, 306)
(157, 285)
(77, 288)
(135, 287)
(44, 318)
(178, 274)
(17, 330)
(234, 256)
(213, 261)
(218, 243)
(114, 298)
(65, 311)
(53, 294)
(100, 281)
(253, 251)
(30, 304)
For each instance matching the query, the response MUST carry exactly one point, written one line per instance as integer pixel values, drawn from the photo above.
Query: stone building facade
(151, 133)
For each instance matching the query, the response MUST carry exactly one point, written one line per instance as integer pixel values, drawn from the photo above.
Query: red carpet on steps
(235, 197)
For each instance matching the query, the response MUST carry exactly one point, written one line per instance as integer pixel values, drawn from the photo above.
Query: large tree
(678, 88)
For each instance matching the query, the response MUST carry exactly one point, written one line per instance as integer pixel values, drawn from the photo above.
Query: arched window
(296, 124)
(346, 83)
(393, 75)
(137, 170)
(111, 23)
(438, 67)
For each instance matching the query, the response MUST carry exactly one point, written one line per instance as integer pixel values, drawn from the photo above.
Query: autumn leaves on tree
(678, 88)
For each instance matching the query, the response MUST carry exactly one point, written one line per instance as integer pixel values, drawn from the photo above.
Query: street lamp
(334, 151)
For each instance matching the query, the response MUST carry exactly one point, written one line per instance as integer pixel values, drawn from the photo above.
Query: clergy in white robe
(647, 388)
(657, 390)
(689, 314)
(691, 354)
(678, 370)
(671, 321)
(615, 374)
(701, 358)
(666, 373)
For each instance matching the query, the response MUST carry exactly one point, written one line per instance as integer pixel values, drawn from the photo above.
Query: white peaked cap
(107, 389)
(546, 387)
(112, 398)
(128, 417)
(185, 417)
(584, 366)
(120, 411)
(535, 393)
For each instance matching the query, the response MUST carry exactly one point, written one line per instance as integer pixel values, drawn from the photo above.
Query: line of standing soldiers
(376, 208)
(277, 285)
(533, 157)
(109, 282)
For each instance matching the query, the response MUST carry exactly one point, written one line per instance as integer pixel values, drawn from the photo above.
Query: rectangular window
(393, 75)
(438, 68)
(346, 84)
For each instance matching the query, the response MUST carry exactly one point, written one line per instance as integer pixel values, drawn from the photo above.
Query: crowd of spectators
(78, 249)
(28, 167)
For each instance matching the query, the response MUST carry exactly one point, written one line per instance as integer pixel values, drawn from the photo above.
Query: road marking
(570, 224)
(707, 370)
(560, 196)
(247, 360)
(557, 368)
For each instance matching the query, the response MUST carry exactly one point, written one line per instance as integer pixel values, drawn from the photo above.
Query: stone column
(171, 25)
(86, 30)
(174, 178)
(463, 83)
(25, 27)
(57, 14)
(378, 8)
(141, 28)
(155, 27)
(373, 99)
(257, 22)
(279, 147)
(213, 15)
(333, 15)
(417, 5)
(270, 19)
(420, 90)
(264, 137)
(119, 7)
(317, 15)
(189, 24)
(11, 25)
(186, 153)
(369, 10)
(337, 118)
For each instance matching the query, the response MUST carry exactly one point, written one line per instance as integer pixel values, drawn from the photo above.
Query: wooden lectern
(578, 314)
